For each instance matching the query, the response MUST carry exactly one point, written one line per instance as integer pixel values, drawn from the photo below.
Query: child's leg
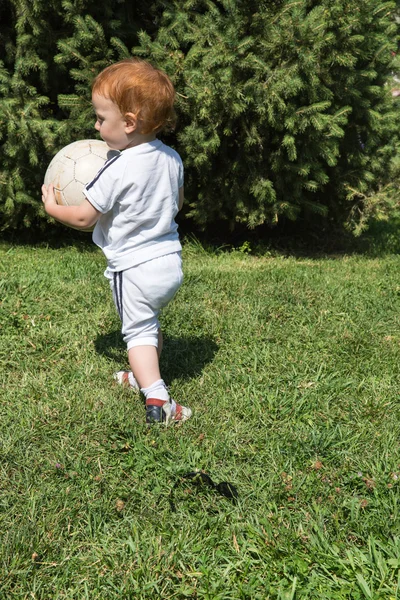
(143, 361)
(160, 407)
(127, 378)
(139, 294)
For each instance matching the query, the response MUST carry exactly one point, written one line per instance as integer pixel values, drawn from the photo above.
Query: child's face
(110, 123)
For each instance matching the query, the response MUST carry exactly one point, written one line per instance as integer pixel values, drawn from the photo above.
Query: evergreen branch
(68, 101)
(280, 15)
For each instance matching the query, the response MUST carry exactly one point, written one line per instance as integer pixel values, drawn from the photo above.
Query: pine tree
(284, 107)
(36, 120)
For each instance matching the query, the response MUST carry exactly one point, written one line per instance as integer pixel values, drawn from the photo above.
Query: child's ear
(130, 122)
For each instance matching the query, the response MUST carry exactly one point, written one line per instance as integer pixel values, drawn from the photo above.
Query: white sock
(120, 376)
(132, 381)
(159, 391)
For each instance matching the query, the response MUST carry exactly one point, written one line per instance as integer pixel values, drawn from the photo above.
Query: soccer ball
(73, 167)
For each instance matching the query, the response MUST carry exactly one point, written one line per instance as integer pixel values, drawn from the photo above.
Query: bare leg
(145, 367)
(143, 361)
(128, 378)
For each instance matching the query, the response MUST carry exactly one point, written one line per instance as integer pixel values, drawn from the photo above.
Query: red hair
(137, 87)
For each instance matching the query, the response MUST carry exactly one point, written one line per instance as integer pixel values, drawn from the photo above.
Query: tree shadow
(303, 238)
(182, 357)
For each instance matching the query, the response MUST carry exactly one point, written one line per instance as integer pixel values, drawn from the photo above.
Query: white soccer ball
(73, 167)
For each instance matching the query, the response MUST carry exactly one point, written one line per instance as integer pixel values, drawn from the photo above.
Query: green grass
(291, 367)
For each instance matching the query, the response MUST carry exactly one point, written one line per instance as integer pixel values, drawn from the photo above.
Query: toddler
(133, 202)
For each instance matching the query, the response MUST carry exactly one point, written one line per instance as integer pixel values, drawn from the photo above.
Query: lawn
(291, 366)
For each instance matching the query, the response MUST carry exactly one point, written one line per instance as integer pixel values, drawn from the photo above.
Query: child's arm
(181, 198)
(81, 217)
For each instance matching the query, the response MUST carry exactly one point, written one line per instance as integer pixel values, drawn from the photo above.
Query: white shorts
(139, 294)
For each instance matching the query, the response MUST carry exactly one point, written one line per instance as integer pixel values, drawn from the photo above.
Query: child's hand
(48, 196)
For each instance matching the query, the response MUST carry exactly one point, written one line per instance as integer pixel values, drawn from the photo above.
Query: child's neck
(139, 138)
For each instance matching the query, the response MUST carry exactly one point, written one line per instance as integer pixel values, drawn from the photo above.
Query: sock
(120, 377)
(132, 381)
(159, 391)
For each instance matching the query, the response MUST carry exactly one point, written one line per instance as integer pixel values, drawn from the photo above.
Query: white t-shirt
(137, 192)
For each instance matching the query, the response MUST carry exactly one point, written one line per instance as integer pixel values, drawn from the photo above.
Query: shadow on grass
(55, 237)
(182, 358)
(303, 238)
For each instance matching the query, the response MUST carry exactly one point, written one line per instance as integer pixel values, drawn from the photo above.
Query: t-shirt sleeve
(102, 192)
